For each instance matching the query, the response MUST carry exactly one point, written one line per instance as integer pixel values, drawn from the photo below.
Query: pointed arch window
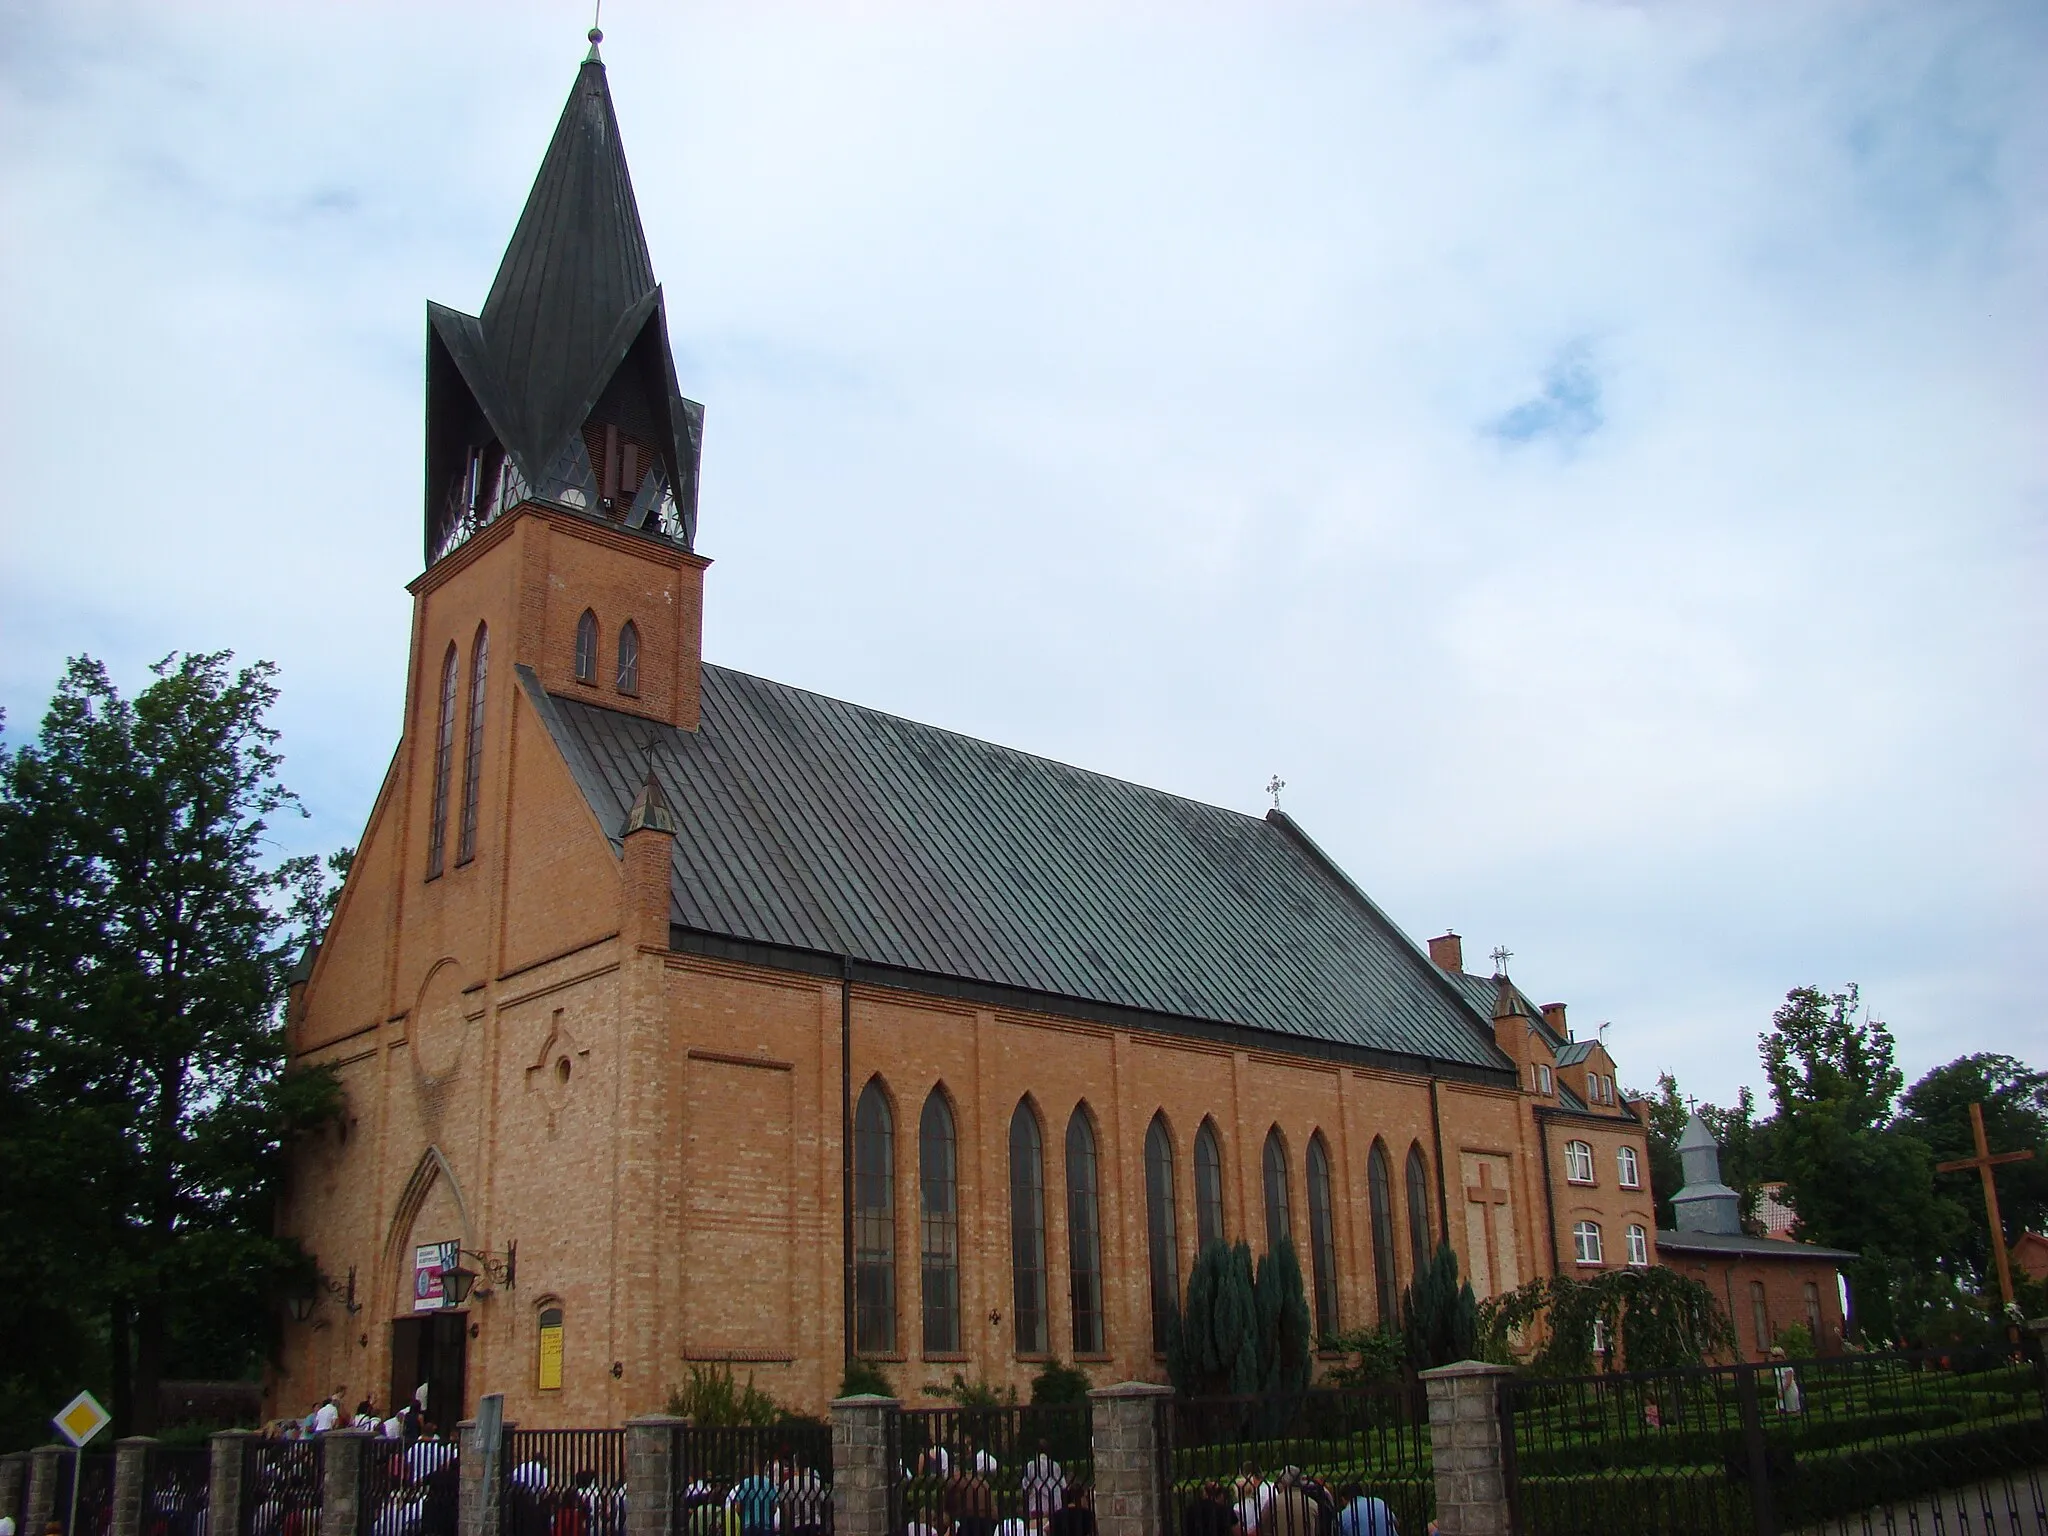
(473, 745)
(444, 763)
(586, 648)
(629, 659)
(1379, 1178)
(874, 1223)
(1418, 1207)
(1322, 1235)
(1084, 1235)
(939, 1219)
(1279, 1219)
(1027, 1230)
(1162, 1243)
(1209, 1225)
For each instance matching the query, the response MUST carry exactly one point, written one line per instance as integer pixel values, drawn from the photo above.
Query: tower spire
(563, 388)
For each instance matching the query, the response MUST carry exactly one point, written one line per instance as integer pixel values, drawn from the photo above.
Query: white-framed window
(1578, 1162)
(1638, 1246)
(1599, 1335)
(1542, 1078)
(1586, 1242)
(1631, 1168)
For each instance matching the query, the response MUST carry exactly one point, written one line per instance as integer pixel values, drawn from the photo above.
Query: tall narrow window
(473, 745)
(874, 1223)
(1162, 1245)
(629, 658)
(1208, 1186)
(1322, 1236)
(1586, 1248)
(549, 1375)
(1810, 1294)
(939, 1216)
(1638, 1245)
(1027, 1230)
(1418, 1208)
(444, 762)
(1759, 1316)
(1629, 1168)
(1578, 1162)
(1379, 1181)
(1279, 1219)
(586, 648)
(1084, 1236)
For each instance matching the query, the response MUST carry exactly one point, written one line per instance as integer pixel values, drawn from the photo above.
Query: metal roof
(1758, 1247)
(1483, 993)
(812, 824)
(1572, 1052)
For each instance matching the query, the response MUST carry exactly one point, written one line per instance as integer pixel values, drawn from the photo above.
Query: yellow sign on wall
(550, 1350)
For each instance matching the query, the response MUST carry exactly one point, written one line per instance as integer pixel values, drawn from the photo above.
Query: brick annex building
(632, 941)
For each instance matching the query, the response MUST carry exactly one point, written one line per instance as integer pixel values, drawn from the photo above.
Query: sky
(1593, 453)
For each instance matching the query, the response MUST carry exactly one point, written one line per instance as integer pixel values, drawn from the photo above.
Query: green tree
(1667, 1124)
(1286, 1332)
(1213, 1343)
(145, 929)
(1644, 1319)
(1439, 1314)
(2015, 1098)
(1856, 1180)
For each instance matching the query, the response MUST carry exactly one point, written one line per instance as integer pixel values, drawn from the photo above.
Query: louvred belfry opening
(563, 390)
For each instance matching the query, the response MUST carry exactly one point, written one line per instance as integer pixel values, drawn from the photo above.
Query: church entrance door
(433, 1349)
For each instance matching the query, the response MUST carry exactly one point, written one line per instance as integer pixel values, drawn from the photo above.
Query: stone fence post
(224, 1486)
(1130, 1456)
(650, 1473)
(342, 1454)
(46, 1469)
(131, 1483)
(1464, 1444)
(860, 1464)
(14, 1484)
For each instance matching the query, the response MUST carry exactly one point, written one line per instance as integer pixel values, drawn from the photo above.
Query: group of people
(960, 1499)
(1292, 1504)
(408, 1423)
(782, 1498)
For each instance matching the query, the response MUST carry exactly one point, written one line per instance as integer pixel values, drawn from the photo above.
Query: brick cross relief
(1487, 1195)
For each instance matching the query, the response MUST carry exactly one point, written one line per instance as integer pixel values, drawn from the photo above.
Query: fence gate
(973, 1471)
(1862, 1445)
(563, 1482)
(760, 1479)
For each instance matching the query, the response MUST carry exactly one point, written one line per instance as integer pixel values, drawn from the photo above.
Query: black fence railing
(563, 1482)
(176, 1482)
(95, 1509)
(413, 1490)
(282, 1481)
(974, 1471)
(1952, 1443)
(1294, 1464)
(775, 1479)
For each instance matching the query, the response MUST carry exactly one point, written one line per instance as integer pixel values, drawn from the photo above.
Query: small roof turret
(1705, 1204)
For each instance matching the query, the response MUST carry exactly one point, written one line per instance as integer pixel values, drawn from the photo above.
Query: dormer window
(1578, 1162)
(629, 659)
(586, 648)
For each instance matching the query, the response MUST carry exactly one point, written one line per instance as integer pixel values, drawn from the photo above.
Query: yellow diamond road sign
(82, 1418)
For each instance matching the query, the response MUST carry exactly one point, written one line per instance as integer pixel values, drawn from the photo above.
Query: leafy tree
(1375, 1355)
(1213, 1342)
(1668, 1115)
(1057, 1382)
(1439, 1314)
(864, 1378)
(146, 1109)
(1856, 1180)
(1647, 1319)
(2015, 1098)
(1748, 1147)
(1286, 1332)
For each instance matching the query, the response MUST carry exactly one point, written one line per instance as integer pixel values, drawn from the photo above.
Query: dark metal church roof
(814, 825)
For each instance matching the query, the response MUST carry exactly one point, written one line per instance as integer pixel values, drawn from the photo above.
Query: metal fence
(1949, 1443)
(973, 1471)
(413, 1490)
(176, 1482)
(95, 1507)
(760, 1480)
(281, 1487)
(563, 1482)
(1291, 1465)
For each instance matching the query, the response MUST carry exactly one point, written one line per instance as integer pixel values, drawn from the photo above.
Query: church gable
(351, 971)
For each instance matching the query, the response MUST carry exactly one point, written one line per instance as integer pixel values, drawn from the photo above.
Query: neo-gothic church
(687, 1016)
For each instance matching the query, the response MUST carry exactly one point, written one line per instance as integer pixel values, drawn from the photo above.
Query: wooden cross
(1984, 1162)
(1486, 1195)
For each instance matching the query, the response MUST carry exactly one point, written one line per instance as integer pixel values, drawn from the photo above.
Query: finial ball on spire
(594, 35)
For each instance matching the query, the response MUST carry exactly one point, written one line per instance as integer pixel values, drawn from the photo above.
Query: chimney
(1447, 952)
(1553, 1015)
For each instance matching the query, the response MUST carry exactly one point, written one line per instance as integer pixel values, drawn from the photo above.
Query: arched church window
(548, 1375)
(1161, 1241)
(1209, 1225)
(1027, 1230)
(473, 746)
(1418, 1207)
(874, 1223)
(1322, 1235)
(1279, 1220)
(444, 762)
(939, 1216)
(1379, 1179)
(629, 658)
(586, 648)
(1084, 1235)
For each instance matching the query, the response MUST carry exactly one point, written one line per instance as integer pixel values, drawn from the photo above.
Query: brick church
(686, 1016)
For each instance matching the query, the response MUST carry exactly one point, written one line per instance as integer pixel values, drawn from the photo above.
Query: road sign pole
(77, 1471)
